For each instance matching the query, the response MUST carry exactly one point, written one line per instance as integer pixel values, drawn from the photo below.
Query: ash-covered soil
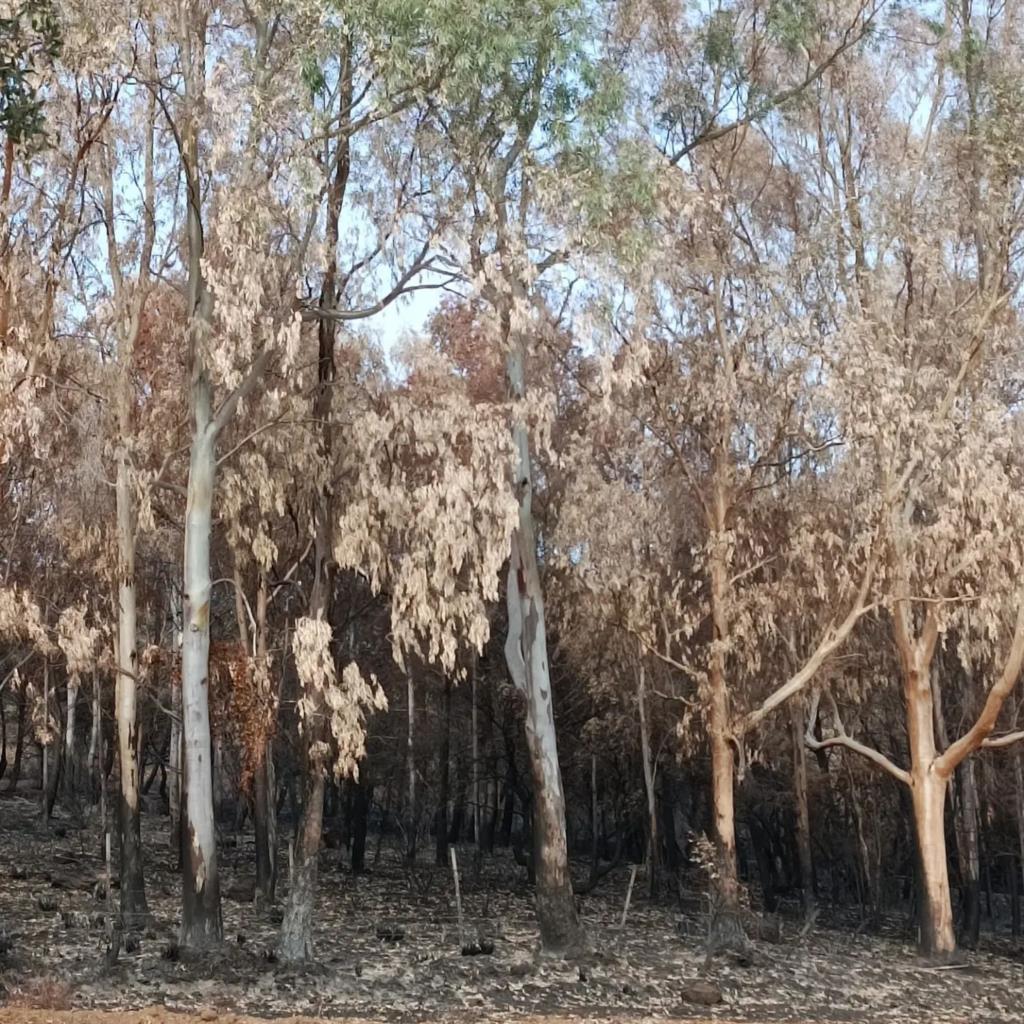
(388, 949)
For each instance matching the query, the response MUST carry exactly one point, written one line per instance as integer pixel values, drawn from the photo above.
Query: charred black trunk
(361, 798)
(134, 909)
(443, 758)
(266, 875)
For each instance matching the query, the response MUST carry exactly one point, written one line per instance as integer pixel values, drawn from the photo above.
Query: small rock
(704, 993)
(520, 969)
(208, 1013)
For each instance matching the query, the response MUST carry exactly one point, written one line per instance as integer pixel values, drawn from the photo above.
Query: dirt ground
(388, 949)
(158, 1015)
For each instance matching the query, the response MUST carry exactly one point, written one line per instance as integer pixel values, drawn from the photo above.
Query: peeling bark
(527, 657)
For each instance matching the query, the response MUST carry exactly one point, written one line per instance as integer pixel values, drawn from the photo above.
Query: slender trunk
(966, 819)
(263, 806)
(360, 819)
(527, 656)
(19, 745)
(410, 834)
(174, 767)
(296, 930)
(475, 754)
(96, 738)
(201, 924)
(5, 283)
(723, 798)
(652, 808)
(70, 746)
(44, 778)
(3, 736)
(133, 893)
(261, 811)
(727, 930)
(443, 780)
(803, 817)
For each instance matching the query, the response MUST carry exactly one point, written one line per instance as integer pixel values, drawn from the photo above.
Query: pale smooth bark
(527, 657)
(133, 892)
(201, 924)
(70, 746)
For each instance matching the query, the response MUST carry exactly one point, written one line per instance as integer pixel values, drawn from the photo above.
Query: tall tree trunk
(1018, 778)
(174, 767)
(70, 748)
(19, 744)
(652, 806)
(727, 930)
(3, 735)
(296, 930)
(443, 779)
(410, 764)
(966, 823)
(361, 797)
(201, 924)
(44, 754)
(262, 810)
(95, 738)
(803, 817)
(527, 656)
(475, 754)
(133, 893)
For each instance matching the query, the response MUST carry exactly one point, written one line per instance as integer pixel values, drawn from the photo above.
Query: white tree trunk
(70, 780)
(133, 895)
(201, 924)
(526, 653)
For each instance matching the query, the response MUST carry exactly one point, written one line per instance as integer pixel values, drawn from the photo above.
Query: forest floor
(644, 971)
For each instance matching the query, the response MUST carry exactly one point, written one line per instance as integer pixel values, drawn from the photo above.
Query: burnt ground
(56, 920)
